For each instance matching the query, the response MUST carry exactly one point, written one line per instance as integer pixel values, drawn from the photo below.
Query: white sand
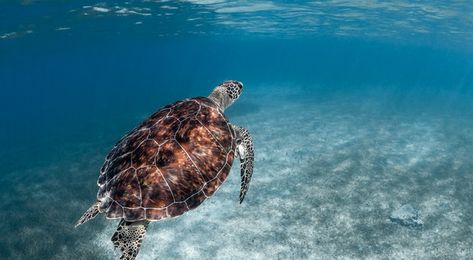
(328, 174)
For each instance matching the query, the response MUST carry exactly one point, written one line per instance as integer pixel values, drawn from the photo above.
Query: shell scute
(195, 200)
(132, 214)
(186, 109)
(146, 155)
(114, 210)
(181, 174)
(130, 143)
(156, 193)
(160, 133)
(127, 188)
(156, 214)
(165, 156)
(157, 116)
(116, 166)
(177, 208)
(211, 187)
(206, 153)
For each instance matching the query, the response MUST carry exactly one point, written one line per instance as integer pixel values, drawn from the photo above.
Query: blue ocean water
(356, 108)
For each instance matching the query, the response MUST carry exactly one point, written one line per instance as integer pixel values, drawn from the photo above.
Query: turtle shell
(169, 164)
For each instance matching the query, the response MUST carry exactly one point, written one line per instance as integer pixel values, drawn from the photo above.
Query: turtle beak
(240, 86)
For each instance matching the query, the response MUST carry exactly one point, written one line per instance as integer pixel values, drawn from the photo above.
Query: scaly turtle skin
(170, 164)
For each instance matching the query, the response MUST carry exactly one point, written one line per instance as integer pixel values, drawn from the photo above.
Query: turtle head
(226, 93)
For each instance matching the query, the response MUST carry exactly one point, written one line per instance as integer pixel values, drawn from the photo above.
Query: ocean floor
(329, 171)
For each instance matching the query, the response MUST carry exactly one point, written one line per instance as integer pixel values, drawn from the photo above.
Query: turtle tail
(89, 214)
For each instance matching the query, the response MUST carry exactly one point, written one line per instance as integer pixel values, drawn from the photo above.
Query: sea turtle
(171, 163)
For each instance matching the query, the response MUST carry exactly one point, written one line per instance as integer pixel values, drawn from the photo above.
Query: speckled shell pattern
(169, 164)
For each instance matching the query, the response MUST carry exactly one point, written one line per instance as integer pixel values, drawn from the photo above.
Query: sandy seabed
(328, 173)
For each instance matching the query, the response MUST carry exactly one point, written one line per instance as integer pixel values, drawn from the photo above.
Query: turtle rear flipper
(89, 214)
(128, 238)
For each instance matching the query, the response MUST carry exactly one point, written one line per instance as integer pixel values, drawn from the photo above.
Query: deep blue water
(356, 108)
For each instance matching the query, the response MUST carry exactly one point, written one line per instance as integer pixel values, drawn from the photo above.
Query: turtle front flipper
(246, 153)
(128, 238)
